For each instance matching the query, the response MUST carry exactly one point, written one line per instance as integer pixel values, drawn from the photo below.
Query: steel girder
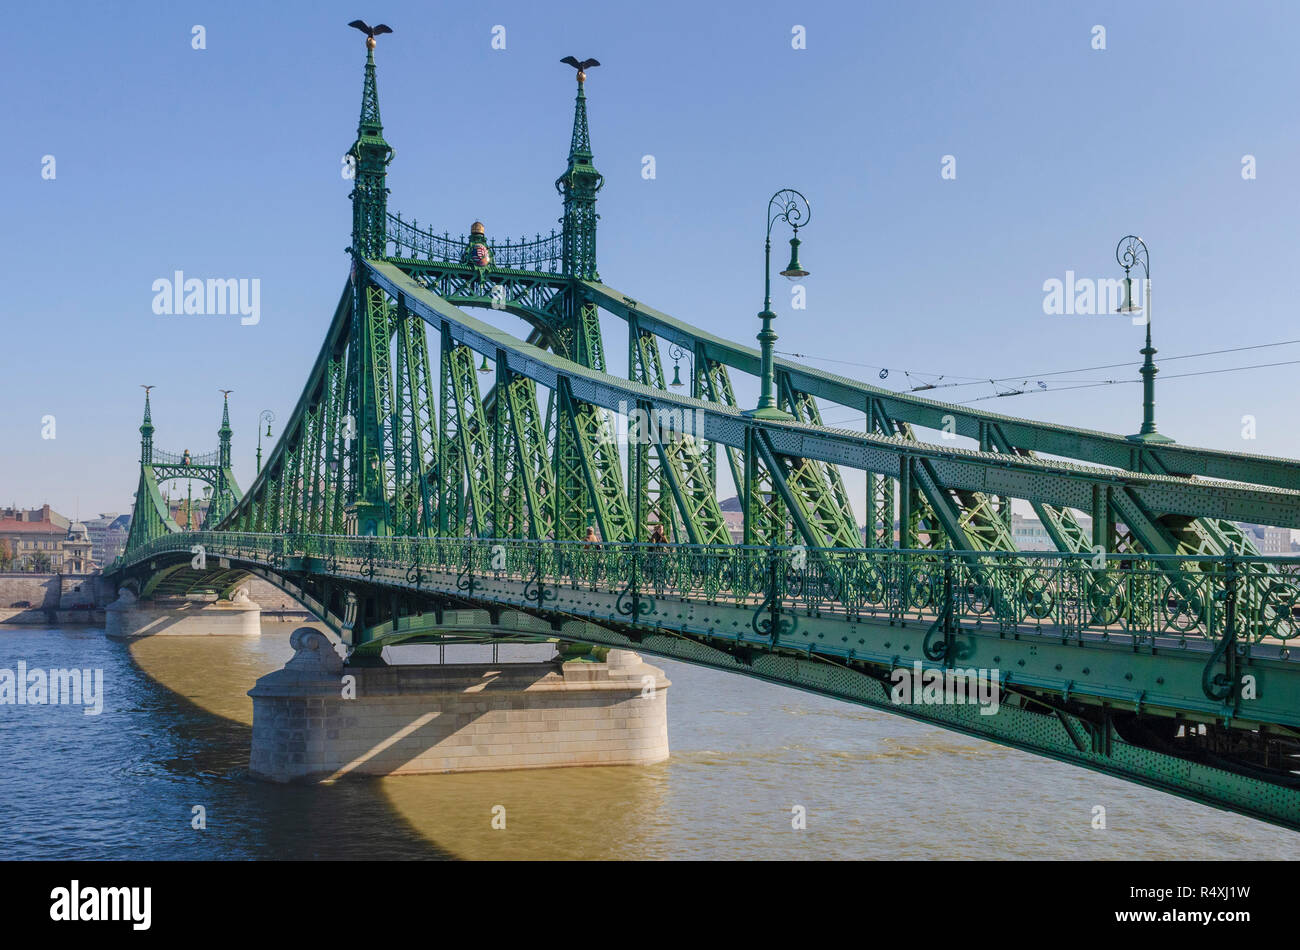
(365, 451)
(816, 487)
(881, 490)
(674, 480)
(980, 513)
(1111, 704)
(648, 492)
(761, 506)
(377, 435)
(150, 516)
(586, 455)
(589, 481)
(973, 521)
(371, 382)
(957, 469)
(531, 490)
(682, 460)
(967, 519)
(1084, 445)
(466, 469)
(314, 458)
(535, 296)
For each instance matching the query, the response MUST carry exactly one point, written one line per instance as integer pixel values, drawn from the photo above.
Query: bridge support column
(128, 618)
(319, 720)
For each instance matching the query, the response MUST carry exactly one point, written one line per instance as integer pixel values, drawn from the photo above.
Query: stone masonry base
(452, 718)
(127, 618)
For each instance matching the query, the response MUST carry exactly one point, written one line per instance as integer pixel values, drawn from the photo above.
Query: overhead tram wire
(1023, 379)
(1078, 384)
(1093, 384)
(1117, 382)
(1113, 382)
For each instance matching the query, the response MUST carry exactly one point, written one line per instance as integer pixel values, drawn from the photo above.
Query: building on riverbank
(108, 535)
(32, 539)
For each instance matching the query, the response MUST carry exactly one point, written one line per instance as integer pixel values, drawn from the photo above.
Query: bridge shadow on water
(196, 687)
(175, 733)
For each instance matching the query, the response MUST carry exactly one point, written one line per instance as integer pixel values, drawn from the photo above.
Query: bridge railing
(542, 253)
(1130, 599)
(161, 457)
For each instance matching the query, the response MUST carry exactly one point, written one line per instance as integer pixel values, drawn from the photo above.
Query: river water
(175, 729)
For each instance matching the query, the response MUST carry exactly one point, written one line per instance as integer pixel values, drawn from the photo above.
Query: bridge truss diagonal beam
(957, 469)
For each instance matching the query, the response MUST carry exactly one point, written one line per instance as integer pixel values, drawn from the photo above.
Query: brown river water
(175, 730)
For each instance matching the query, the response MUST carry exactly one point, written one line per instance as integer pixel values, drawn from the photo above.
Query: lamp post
(791, 207)
(268, 417)
(675, 353)
(1129, 253)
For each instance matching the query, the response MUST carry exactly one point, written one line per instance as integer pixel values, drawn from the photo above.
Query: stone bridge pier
(130, 617)
(318, 719)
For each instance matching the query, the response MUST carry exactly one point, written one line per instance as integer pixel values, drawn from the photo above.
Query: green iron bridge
(1154, 645)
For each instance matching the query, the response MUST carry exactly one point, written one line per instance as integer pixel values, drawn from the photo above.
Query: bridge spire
(370, 155)
(225, 432)
(580, 142)
(578, 186)
(146, 430)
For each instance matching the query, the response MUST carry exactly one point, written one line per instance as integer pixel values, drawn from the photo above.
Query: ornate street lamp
(676, 353)
(791, 207)
(1129, 253)
(268, 417)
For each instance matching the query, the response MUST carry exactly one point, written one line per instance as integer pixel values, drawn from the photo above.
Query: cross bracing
(436, 465)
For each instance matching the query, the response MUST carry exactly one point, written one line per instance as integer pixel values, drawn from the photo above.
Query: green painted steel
(578, 186)
(371, 156)
(816, 489)
(1085, 445)
(151, 515)
(958, 469)
(650, 497)
(667, 462)
(532, 489)
(1148, 655)
(1154, 647)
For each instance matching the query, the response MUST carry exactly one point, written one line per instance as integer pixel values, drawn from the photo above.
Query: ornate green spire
(580, 143)
(225, 432)
(146, 431)
(371, 155)
(578, 185)
(370, 121)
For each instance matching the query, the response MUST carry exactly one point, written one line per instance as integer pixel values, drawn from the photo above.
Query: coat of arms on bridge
(478, 254)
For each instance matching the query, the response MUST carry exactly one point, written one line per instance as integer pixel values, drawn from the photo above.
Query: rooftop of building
(15, 526)
(43, 513)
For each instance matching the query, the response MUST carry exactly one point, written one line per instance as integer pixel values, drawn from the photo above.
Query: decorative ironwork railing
(183, 459)
(1130, 599)
(542, 253)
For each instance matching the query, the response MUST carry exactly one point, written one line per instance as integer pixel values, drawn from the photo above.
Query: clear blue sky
(224, 162)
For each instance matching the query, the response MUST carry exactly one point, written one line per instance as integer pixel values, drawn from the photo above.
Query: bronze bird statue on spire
(581, 67)
(370, 31)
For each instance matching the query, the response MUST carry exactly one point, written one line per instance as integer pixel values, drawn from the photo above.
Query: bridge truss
(436, 466)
